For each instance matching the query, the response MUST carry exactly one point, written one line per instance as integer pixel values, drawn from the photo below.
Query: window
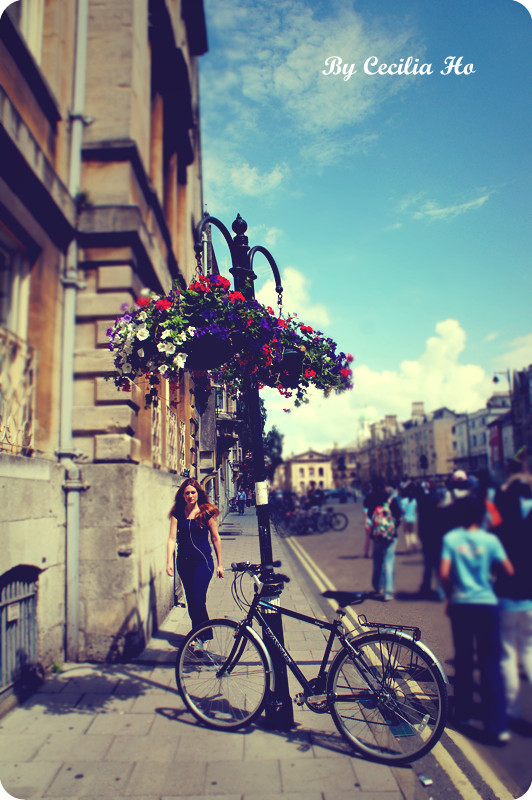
(320, 471)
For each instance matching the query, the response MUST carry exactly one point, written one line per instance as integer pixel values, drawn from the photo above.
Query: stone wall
(124, 589)
(32, 521)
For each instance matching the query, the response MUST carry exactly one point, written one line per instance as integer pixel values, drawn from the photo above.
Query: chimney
(418, 409)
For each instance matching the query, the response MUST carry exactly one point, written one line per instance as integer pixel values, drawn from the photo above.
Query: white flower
(142, 333)
(180, 360)
(162, 369)
(166, 333)
(191, 331)
(145, 292)
(166, 347)
(126, 367)
(140, 353)
(142, 316)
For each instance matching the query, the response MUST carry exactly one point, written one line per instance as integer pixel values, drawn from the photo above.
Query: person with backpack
(383, 513)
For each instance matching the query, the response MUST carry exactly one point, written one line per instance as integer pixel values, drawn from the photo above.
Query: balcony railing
(17, 394)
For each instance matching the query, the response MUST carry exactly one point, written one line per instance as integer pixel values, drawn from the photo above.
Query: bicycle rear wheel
(397, 714)
(338, 521)
(223, 681)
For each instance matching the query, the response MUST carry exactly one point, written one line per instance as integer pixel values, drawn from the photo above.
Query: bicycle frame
(335, 631)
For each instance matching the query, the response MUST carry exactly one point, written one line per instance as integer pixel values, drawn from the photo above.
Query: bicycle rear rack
(390, 628)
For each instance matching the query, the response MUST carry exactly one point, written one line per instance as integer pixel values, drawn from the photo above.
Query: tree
(273, 451)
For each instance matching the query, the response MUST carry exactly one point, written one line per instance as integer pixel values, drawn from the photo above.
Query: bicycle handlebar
(260, 569)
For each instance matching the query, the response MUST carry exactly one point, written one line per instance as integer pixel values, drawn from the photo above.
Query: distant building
(428, 449)
(344, 466)
(472, 435)
(298, 472)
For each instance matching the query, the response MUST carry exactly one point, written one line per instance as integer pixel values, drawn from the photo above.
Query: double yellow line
(460, 781)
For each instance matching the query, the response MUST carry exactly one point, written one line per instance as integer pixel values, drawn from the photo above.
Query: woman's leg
(195, 578)
(389, 569)
(378, 558)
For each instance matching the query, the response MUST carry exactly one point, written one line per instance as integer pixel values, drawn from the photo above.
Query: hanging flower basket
(207, 351)
(210, 328)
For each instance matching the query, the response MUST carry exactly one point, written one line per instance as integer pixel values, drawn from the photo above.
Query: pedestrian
(514, 501)
(408, 503)
(192, 520)
(469, 555)
(384, 514)
(241, 498)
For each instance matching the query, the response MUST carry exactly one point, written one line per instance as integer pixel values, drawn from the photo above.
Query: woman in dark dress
(192, 522)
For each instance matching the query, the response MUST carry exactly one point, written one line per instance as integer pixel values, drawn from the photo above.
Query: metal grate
(18, 625)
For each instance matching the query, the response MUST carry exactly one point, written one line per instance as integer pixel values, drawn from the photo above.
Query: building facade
(472, 435)
(100, 189)
(297, 473)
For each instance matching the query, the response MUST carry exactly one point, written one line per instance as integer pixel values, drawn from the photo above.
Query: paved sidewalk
(98, 731)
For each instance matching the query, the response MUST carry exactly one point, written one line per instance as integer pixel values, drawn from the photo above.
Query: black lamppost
(279, 711)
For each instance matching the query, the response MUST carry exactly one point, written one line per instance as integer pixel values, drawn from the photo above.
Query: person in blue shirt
(469, 556)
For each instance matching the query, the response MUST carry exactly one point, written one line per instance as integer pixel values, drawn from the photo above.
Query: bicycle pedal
(299, 699)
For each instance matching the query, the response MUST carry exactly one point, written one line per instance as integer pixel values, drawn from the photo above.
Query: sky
(396, 205)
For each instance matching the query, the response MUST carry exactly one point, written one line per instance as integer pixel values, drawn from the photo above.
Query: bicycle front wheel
(223, 679)
(339, 521)
(390, 703)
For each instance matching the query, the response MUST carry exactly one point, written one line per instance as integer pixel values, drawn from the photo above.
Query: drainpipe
(73, 483)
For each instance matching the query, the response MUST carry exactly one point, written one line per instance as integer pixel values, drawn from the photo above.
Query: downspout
(73, 484)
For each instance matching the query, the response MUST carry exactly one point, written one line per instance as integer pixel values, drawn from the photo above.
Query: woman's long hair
(207, 509)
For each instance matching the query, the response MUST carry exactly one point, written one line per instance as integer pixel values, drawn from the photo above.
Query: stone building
(472, 435)
(299, 471)
(100, 189)
(428, 443)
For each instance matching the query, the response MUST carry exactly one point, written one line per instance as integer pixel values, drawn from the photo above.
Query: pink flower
(349, 358)
(163, 305)
(143, 301)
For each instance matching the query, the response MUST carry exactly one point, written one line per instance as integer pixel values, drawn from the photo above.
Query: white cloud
(419, 208)
(518, 355)
(270, 61)
(296, 297)
(436, 377)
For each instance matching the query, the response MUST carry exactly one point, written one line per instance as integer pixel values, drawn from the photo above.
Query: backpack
(383, 524)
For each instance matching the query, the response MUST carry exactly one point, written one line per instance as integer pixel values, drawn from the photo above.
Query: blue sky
(396, 206)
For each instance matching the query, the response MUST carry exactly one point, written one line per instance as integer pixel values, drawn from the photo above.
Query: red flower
(270, 309)
(236, 296)
(281, 323)
(345, 373)
(143, 301)
(349, 358)
(306, 329)
(309, 373)
(163, 305)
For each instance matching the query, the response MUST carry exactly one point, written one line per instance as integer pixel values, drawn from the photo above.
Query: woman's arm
(170, 547)
(217, 544)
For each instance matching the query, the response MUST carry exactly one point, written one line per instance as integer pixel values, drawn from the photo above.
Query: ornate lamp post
(279, 711)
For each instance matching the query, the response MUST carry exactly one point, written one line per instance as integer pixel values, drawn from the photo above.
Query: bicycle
(385, 690)
(334, 519)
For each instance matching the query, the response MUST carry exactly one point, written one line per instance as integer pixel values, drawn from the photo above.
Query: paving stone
(176, 779)
(74, 747)
(76, 779)
(27, 780)
(38, 722)
(373, 777)
(283, 745)
(129, 724)
(19, 746)
(129, 748)
(209, 745)
(318, 774)
(152, 700)
(252, 777)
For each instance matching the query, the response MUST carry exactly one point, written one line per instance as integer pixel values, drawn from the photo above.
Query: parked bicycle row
(304, 521)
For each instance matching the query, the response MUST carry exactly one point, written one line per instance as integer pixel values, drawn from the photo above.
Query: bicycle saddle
(345, 598)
